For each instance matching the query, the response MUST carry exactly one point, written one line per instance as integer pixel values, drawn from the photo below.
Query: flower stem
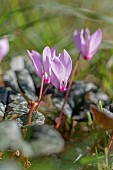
(38, 104)
(34, 103)
(110, 142)
(13, 154)
(41, 88)
(68, 90)
(30, 113)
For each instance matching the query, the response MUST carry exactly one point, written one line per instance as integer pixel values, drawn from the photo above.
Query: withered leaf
(105, 121)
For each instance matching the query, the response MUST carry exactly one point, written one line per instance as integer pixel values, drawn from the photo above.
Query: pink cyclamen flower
(89, 45)
(56, 68)
(4, 47)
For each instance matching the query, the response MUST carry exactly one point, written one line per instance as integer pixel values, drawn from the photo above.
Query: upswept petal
(95, 41)
(46, 52)
(87, 32)
(4, 47)
(37, 62)
(82, 37)
(58, 69)
(54, 80)
(46, 58)
(77, 40)
(83, 43)
(54, 52)
(67, 62)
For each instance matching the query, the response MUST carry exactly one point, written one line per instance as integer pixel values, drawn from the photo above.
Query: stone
(10, 80)
(95, 97)
(45, 140)
(58, 104)
(17, 63)
(26, 84)
(78, 91)
(3, 95)
(111, 107)
(9, 165)
(108, 113)
(11, 137)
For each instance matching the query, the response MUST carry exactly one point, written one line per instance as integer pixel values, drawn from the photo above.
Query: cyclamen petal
(46, 59)
(67, 62)
(54, 80)
(54, 52)
(87, 36)
(77, 40)
(4, 47)
(58, 69)
(37, 62)
(95, 37)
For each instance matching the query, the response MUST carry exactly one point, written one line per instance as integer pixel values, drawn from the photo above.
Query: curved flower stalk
(56, 68)
(89, 44)
(4, 47)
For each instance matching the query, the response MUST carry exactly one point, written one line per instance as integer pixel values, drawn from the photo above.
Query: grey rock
(81, 116)
(111, 107)
(3, 95)
(95, 97)
(17, 63)
(29, 65)
(37, 82)
(45, 140)
(78, 91)
(59, 102)
(9, 165)
(11, 137)
(26, 84)
(11, 80)
(90, 87)
(108, 113)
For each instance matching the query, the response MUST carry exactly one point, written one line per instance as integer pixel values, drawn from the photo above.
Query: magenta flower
(4, 47)
(89, 45)
(56, 68)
